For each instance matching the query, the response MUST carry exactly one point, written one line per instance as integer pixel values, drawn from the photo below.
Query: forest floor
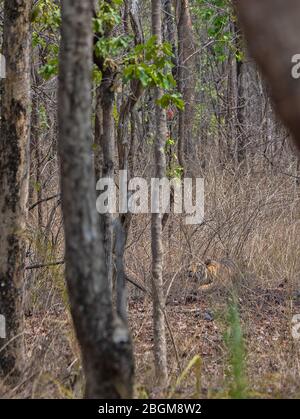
(199, 327)
(256, 223)
(199, 358)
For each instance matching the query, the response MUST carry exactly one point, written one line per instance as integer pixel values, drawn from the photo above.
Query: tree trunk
(35, 156)
(160, 348)
(240, 99)
(126, 154)
(107, 98)
(186, 78)
(273, 46)
(104, 339)
(14, 165)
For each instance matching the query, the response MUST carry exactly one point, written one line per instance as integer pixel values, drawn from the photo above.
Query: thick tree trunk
(104, 338)
(14, 165)
(160, 348)
(273, 45)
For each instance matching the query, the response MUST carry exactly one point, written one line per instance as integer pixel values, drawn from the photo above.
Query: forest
(149, 199)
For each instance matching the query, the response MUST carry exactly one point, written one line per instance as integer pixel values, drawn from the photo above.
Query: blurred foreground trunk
(272, 30)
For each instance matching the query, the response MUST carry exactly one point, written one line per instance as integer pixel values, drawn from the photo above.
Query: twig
(45, 265)
(140, 287)
(43, 200)
(172, 340)
(61, 262)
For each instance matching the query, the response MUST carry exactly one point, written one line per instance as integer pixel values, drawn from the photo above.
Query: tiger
(213, 274)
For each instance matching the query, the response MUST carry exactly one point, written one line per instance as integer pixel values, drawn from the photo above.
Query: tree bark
(160, 347)
(240, 99)
(126, 154)
(104, 339)
(14, 176)
(186, 79)
(273, 45)
(106, 97)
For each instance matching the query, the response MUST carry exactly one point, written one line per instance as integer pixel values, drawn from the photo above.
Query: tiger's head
(212, 267)
(198, 272)
(203, 273)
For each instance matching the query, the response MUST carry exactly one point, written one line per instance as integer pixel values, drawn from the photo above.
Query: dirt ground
(199, 363)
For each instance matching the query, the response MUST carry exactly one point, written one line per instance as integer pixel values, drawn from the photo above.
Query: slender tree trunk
(14, 165)
(107, 98)
(126, 154)
(160, 348)
(238, 111)
(104, 339)
(169, 26)
(186, 78)
(35, 156)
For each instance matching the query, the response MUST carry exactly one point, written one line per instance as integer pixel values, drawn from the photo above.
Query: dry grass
(252, 217)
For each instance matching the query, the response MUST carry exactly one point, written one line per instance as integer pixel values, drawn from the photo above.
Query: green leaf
(171, 99)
